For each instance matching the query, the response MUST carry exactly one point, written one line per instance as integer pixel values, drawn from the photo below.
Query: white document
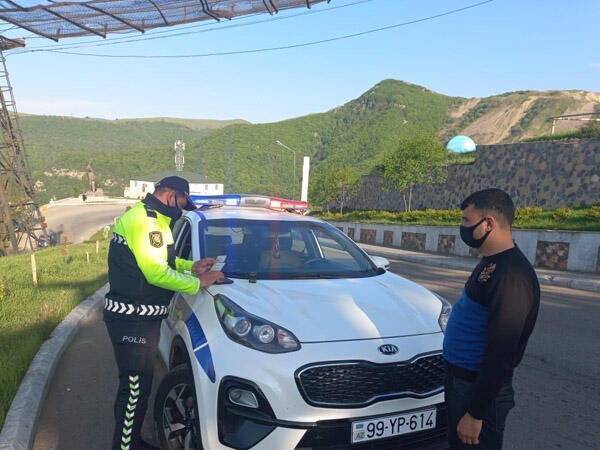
(219, 264)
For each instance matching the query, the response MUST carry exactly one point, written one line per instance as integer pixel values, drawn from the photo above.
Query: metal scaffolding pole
(20, 217)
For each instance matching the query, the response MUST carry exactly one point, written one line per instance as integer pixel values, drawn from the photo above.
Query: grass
(568, 219)
(590, 131)
(66, 276)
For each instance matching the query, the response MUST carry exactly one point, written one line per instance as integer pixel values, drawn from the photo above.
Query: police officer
(143, 275)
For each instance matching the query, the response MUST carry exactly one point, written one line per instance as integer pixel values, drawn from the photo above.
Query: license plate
(393, 425)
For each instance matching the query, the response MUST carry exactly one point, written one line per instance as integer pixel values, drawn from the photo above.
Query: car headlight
(252, 331)
(444, 313)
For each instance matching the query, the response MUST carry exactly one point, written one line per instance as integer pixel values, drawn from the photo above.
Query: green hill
(245, 156)
(60, 148)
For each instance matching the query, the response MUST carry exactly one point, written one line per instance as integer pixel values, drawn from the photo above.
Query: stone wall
(551, 175)
(557, 250)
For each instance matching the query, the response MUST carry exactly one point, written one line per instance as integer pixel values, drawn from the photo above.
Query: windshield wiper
(237, 274)
(317, 275)
(250, 276)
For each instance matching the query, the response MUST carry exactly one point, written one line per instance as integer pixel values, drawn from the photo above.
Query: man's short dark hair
(492, 201)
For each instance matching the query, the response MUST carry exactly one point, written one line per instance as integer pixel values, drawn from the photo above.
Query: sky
(270, 68)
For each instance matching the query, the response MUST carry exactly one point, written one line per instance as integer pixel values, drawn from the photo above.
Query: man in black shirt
(489, 326)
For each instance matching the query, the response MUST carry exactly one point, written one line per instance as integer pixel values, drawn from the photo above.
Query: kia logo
(388, 349)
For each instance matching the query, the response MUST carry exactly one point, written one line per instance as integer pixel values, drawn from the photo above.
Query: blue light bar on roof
(225, 200)
(259, 201)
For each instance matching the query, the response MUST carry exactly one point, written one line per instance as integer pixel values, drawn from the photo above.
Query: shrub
(594, 212)
(527, 218)
(446, 215)
(562, 213)
(528, 213)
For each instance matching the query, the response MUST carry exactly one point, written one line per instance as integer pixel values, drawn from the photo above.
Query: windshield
(274, 249)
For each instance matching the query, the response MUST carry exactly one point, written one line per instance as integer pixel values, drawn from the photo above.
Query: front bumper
(287, 417)
(335, 434)
(258, 428)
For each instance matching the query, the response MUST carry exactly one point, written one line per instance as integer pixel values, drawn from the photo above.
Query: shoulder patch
(156, 239)
(150, 211)
(486, 272)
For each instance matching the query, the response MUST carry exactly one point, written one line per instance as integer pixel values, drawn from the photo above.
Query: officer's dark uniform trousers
(134, 343)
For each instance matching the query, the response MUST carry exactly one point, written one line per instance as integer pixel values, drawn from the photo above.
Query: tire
(176, 411)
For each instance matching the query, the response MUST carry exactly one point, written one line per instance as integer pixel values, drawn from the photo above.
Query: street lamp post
(281, 144)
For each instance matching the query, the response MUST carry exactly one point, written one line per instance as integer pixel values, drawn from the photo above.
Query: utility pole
(281, 144)
(179, 148)
(20, 217)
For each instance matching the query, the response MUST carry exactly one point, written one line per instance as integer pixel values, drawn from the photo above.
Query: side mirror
(381, 262)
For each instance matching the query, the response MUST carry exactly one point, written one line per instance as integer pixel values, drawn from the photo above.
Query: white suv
(307, 343)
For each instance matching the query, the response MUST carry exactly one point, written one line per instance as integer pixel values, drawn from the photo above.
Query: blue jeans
(458, 392)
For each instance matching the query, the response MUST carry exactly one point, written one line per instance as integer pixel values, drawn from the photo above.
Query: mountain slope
(515, 116)
(245, 157)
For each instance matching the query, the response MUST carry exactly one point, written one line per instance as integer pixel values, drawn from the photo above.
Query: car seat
(279, 254)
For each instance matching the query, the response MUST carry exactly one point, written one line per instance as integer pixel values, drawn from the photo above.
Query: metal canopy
(56, 20)
(20, 216)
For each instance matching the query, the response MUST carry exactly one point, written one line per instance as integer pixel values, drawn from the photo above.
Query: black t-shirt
(491, 323)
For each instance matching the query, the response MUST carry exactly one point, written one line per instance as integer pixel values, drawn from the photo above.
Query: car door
(182, 248)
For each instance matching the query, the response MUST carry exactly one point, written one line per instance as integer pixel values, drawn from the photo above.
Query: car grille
(361, 383)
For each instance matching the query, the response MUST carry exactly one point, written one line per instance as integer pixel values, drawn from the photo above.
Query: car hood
(382, 306)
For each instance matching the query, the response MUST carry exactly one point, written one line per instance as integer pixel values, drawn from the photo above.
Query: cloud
(595, 65)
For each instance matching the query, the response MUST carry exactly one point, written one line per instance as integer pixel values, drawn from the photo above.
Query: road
(78, 411)
(79, 221)
(557, 395)
(556, 384)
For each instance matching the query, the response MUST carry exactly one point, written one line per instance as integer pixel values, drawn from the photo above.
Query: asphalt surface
(89, 214)
(46, 387)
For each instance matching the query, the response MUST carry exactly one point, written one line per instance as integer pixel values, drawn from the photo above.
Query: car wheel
(176, 411)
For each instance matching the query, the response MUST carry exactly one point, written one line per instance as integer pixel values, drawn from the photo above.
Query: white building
(199, 184)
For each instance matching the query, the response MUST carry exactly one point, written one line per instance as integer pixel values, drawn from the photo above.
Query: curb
(467, 264)
(20, 425)
(572, 283)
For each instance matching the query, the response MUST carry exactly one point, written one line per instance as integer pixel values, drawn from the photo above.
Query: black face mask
(466, 234)
(172, 211)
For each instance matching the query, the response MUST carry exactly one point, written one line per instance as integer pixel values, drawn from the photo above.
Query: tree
(337, 184)
(417, 159)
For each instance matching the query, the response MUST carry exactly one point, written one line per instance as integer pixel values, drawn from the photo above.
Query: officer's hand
(208, 278)
(203, 265)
